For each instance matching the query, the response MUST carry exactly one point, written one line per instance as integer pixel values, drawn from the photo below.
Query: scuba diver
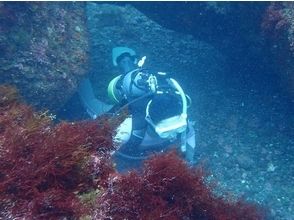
(157, 107)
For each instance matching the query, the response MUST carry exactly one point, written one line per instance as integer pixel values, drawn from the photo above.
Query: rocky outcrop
(43, 50)
(194, 63)
(278, 30)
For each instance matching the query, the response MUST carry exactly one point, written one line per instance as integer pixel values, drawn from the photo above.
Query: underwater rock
(278, 30)
(168, 51)
(44, 50)
(212, 21)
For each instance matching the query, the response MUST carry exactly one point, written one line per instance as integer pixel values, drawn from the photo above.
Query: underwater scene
(147, 110)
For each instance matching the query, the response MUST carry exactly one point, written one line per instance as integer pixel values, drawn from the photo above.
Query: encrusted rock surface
(43, 50)
(278, 29)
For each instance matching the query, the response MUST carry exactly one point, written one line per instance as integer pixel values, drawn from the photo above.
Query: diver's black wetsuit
(131, 154)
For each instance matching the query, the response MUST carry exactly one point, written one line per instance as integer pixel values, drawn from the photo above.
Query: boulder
(278, 30)
(44, 48)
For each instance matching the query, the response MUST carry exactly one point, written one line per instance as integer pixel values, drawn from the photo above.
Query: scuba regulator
(132, 84)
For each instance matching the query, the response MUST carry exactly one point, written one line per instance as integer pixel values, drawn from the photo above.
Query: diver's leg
(190, 146)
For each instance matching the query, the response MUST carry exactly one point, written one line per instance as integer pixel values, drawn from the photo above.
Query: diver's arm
(93, 106)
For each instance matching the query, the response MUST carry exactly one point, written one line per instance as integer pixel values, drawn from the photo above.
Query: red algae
(43, 167)
(168, 189)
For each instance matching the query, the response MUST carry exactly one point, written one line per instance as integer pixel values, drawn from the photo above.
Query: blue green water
(245, 126)
(243, 111)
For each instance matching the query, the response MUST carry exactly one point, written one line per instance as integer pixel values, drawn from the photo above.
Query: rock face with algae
(44, 50)
(278, 30)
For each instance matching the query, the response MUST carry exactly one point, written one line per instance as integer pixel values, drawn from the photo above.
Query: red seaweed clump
(49, 171)
(169, 189)
(45, 167)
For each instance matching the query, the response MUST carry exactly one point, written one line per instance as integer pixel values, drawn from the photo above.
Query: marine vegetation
(168, 189)
(44, 167)
(63, 171)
